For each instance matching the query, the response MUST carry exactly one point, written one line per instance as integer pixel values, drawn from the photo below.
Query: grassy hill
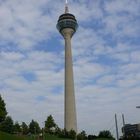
(103, 139)
(5, 136)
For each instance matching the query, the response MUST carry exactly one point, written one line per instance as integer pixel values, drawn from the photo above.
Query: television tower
(67, 26)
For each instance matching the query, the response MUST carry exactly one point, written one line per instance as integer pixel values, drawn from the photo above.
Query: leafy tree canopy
(67, 134)
(49, 123)
(82, 136)
(105, 134)
(3, 111)
(17, 128)
(34, 127)
(7, 125)
(25, 129)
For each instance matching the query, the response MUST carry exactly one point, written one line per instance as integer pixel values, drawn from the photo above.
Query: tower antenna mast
(66, 7)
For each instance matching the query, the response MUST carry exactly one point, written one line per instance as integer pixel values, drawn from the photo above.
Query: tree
(3, 111)
(72, 134)
(67, 134)
(49, 124)
(92, 137)
(25, 129)
(34, 127)
(63, 133)
(7, 125)
(17, 128)
(57, 130)
(82, 136)
(105, 134)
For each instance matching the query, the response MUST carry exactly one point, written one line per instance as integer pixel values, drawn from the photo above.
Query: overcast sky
(106, 59)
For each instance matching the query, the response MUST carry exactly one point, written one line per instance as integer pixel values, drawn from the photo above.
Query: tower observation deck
(67, 26)
(67, 20)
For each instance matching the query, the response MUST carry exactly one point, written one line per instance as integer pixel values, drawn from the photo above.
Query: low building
(131, 130)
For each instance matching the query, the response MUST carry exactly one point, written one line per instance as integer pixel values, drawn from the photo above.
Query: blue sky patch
(40, 98)
(29, 76)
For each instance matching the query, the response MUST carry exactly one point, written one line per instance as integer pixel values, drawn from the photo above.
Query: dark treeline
(50, 127)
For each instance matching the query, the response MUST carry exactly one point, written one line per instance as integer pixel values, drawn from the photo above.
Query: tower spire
(66, 7)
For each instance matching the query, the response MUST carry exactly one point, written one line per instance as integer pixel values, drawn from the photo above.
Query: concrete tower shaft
(70, 109)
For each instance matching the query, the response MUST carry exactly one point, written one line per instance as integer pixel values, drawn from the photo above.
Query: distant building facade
(131, 130)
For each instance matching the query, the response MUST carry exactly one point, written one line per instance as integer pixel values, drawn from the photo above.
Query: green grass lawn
(103, 139)
(5, 136)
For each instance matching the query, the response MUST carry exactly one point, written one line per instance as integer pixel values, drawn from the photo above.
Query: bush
(92, 137)
(105, 134)
(67, 134)
(82, 136)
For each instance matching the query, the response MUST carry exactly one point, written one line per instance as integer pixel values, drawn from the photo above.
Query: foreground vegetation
(6, 136)
(32, 131)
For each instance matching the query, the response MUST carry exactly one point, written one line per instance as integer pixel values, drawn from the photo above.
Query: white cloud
(12, 56)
